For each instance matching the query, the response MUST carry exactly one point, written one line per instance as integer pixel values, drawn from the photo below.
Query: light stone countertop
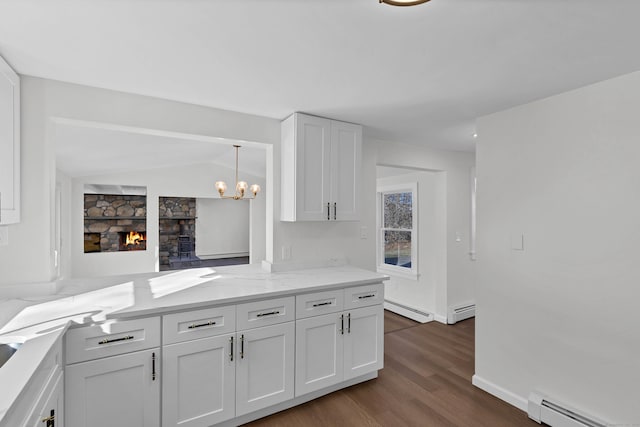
(41, 321)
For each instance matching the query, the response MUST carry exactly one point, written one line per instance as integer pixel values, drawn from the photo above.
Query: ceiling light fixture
(403, 2)
(241, 186)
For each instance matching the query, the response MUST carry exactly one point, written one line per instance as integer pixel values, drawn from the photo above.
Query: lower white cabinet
(336, 347)
(198, 384)
(264, 367)
(211, 380)
(121, 391)
(48, 411)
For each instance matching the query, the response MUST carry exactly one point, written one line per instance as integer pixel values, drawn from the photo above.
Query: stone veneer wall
(109, 214)
(174, 212)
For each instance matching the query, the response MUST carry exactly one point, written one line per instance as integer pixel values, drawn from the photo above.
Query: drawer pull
(320, 304)
(200, 325)
(242, 346)
(127, 338)
(366, 296)
(50, 420)
(270, 313)
(153, 366)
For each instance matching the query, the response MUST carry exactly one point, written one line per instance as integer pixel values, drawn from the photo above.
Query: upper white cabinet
(320, 169)
(9, 145)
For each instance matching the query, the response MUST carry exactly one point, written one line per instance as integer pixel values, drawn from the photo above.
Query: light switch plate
(517, 242)
(4, 236)
(364, 232)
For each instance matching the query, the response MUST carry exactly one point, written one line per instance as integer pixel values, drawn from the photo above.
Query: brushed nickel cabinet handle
(153, 366)
(349, 323)
(366, 296)
(320, 304)
(108, 341)
(200, 325)
(335, 211)
(231, 352)
(242, 346)
(270, 313)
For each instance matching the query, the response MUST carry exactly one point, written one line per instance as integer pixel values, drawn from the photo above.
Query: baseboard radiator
(460, 312)
(545, 410)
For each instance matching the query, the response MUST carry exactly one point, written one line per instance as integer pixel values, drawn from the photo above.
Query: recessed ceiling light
(475, 135)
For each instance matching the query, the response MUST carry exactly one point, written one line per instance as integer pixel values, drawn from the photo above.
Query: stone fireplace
(177, 228)
(115, 222)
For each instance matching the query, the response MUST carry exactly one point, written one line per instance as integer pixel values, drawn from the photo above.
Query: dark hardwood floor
(426, 381)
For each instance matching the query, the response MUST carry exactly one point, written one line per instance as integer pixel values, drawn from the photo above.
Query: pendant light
(403, 2)
(241, 186)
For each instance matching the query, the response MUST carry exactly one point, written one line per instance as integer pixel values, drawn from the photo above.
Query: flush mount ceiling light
(403, 2)
(241, 186)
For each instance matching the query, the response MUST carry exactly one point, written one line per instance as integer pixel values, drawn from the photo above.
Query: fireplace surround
(114, 222)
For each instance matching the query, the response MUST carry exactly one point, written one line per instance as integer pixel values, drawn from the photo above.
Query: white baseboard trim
(408, 312)
(441, 319)
(220, 256)
(501, 393)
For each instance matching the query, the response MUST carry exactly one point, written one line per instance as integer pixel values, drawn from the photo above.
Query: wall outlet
(4, 236)
(286, 253)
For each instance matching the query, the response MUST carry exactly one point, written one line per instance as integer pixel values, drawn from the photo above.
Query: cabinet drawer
(191, 325)
(111, 338)
(318, 303)
(265, 313)
(363, 296)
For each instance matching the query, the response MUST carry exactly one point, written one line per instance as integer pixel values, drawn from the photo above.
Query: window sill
(396, 272)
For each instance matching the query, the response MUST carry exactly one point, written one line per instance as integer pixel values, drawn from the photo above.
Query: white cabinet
(264, 367)
(363, 341)
(320, 169)
(211, 380)
(112, 374)
(198, 387)
(48, 411)
(9, 145)
(336, 347)
(319, 352)
(121, 391)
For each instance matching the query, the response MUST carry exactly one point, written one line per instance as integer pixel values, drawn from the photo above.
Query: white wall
(28, 257)
(222, 228)
(181, 181)
(454, 272)
(561, 316)
(420, 293)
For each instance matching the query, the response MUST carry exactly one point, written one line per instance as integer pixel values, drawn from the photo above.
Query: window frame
(394, 270)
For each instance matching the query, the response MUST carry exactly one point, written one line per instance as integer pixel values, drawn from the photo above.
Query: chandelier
(403, 2)
(241, 186)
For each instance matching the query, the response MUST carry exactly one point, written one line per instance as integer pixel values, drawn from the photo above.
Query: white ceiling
(418, 74)
(86, 151)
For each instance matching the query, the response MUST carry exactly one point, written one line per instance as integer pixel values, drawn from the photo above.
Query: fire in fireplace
(133, 241)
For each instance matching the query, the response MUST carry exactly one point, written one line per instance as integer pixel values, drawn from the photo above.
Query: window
(397, 226)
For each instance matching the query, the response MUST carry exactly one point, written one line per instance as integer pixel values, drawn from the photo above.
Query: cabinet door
(363, 341)
(198, 384)
(346, 149)
(319, 346)
(264, 367)
(115, 391)
(48, 411)
(9, 145)
(313, 152)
